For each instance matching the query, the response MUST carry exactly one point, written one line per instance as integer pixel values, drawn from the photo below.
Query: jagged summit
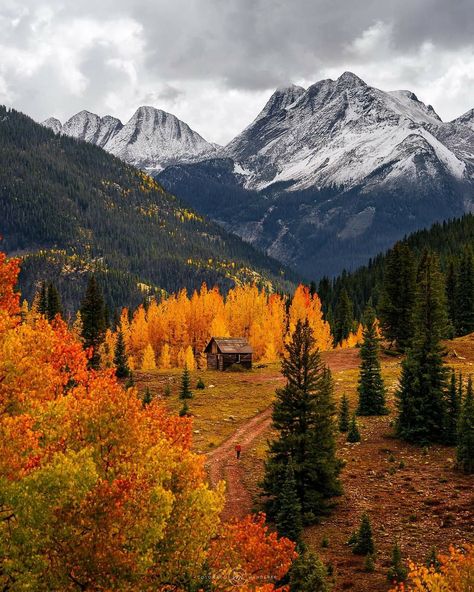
(151, 139)
(466, 119)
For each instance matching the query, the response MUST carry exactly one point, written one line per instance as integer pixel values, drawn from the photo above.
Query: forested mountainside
(448, 239)
(68, 208)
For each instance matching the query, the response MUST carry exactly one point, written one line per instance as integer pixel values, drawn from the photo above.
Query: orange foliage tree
(455, 574)
(97, 491)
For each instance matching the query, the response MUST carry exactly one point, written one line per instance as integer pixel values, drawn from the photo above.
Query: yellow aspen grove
(189, 359)
(271, 354)
(219, 327)
(125, 328)
(304, 306)
(156, 325)
(165, 357)
(148, 361)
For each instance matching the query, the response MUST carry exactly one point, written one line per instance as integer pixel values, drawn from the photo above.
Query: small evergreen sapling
(200, 384)
(185, 391)
(353, 435)
(184, 411)
(364, 542)
(397, 571)
(147, 397)
(344, 416)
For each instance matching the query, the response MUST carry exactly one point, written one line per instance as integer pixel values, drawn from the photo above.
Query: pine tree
(288, 519)
(303, 417)
(453, 404)
(398, 296)
(120, 357)
(53, 302)
(93, 319)
(371, 388)
(185, 391)
(344, 416)
(308, 574)
(422, 385)
(43, 299)
(465, 448)
(465, 294)
(343, 317)
(364, 542)
(353, 435)
(451, 293)
(397, 571)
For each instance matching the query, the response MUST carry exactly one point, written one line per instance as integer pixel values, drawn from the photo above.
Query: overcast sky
(213, 63)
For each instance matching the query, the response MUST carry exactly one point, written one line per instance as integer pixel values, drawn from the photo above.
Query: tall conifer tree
(288, 519)
(343, 317)
(465, 449)
(303, 417)
(453, 403)
(371, 387)
(422, 385)
(93, 319)
(54, 302)
(122, 369)
(398, 294)
(465, 294)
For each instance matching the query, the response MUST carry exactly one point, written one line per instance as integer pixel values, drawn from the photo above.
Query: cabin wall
(223, 361)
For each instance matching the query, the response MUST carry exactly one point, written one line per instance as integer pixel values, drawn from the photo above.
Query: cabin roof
(231, 345)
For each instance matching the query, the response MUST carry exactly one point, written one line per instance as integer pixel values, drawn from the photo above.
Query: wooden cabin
(223, 352)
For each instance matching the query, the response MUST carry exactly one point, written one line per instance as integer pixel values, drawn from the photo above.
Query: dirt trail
(222, 463)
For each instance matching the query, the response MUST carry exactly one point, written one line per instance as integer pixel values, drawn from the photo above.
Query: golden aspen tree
(305, 306)
(148, 361)
(181, 358)
(189, 359)
(138, 333)
(165, 357)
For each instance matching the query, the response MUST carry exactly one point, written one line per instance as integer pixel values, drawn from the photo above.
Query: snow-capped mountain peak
(151, 139)
(466, 119)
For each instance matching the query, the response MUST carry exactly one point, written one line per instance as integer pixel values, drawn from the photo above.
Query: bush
(236, 368)
(364, 543)
(200, 384)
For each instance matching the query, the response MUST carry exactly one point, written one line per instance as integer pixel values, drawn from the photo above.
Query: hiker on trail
(238, 450)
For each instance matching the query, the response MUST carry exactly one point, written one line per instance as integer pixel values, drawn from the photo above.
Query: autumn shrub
(455, 573)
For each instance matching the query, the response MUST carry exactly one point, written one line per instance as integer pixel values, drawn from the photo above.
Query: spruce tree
(344, 416)
(122, 369)
(465, 448)
(53, 302)
(43, 299)
(422, 385)
(93, 319)
(288, 519)
(465, 294)
(397, 572)
(398, 295)
(343, 317)
(453, 404)
(364, 542)
(308, 574)
(184, 411)
(185, 390)
(452, 293)
(371, 388)
(353, 434)
(303, 417)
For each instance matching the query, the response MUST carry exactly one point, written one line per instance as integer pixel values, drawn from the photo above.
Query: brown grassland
(413, 495)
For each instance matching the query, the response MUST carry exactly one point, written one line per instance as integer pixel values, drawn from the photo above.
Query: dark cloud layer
(214, 61)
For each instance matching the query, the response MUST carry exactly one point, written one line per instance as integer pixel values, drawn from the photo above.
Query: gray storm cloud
(213, 62)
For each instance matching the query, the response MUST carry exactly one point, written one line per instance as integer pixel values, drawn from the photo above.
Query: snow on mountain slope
(336, 133)
(150, 140)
